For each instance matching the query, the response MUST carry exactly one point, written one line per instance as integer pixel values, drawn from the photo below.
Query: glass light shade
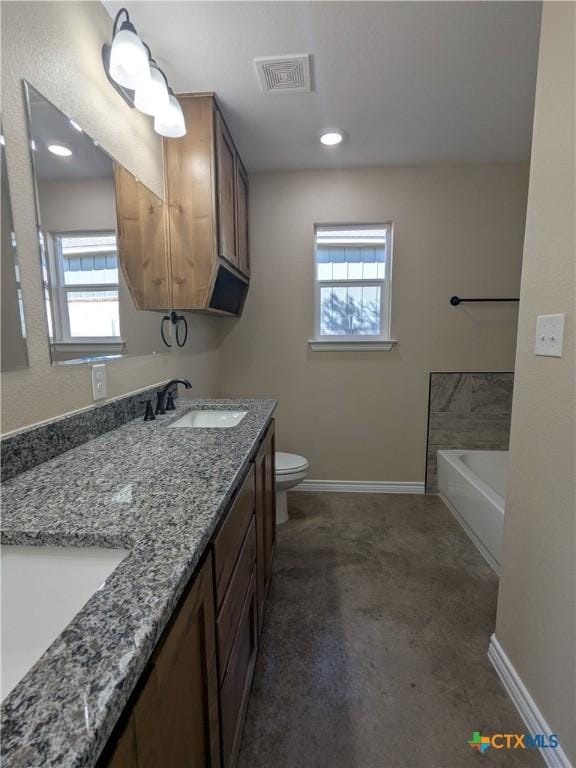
(128, 59)
(170, 122)
(151, 95)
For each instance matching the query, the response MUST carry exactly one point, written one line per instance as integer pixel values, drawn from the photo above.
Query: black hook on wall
(178, 321)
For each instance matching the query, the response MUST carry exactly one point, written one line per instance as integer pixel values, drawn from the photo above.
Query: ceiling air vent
(284, 74)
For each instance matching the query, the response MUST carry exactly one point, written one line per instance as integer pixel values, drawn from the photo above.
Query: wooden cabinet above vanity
(206, 195)
(142, 241)
(202, 262)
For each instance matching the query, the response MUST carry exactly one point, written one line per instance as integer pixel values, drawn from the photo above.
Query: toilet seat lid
(289, 462)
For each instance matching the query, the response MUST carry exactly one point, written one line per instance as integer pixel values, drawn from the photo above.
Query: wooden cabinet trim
(226, 191)
(229, 616)
(142, 241)
(242, 208)
(124, 753)
(228, 540)
(236, 686)
(265, 515)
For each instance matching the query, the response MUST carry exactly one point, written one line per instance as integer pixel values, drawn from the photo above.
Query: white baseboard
(525, 704)
(359, 486)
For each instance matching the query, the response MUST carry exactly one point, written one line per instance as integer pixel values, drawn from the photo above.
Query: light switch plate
(99, 385)
(549, 335)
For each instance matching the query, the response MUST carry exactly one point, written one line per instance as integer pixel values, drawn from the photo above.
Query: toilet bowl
(290, 470)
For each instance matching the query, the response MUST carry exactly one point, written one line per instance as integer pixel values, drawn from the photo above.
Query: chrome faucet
(166, 392)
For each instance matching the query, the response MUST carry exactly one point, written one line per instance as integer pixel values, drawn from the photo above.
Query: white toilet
(290, 470)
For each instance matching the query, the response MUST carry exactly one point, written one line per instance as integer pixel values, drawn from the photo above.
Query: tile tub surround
(34, 445)
(467, 410)
(156, 491)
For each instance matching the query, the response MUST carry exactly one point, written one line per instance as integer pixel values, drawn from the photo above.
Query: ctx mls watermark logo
(513, 741)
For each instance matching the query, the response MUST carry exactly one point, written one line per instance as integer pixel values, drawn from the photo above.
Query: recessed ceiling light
(60, 150)
(331, 138)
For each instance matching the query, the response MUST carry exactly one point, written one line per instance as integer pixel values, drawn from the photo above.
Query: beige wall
(70, 205)
(536, 607)
(56, 46)
(362, 415)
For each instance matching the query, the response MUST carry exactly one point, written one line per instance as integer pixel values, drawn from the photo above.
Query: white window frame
(60, 290)
(343, 342)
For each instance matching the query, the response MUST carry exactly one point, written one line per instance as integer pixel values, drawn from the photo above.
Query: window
(353, 276)
(86, 266)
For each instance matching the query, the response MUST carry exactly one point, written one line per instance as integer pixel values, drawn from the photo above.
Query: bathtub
(472, 484)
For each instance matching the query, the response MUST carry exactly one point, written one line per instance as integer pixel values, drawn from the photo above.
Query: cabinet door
(151, 735)
(261, 558)
(229, 616)
(142, 242)
(187, 680)
(226, 187)
(265, 516)
(124, 754)
(242, 247)
(174, 719)
(190, 171)
(228, 540)
(238, 680)
(270, 499)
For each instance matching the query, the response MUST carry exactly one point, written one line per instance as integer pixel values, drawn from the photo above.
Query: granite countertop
(159, 493)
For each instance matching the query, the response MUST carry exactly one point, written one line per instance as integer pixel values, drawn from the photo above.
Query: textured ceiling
(409, 82)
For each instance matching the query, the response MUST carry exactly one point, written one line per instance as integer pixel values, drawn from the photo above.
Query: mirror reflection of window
(90, 312)
(77, 235)
(14, 349)
(87, 286)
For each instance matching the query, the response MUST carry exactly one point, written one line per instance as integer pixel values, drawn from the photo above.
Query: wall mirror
(89, 309)
(14, 349)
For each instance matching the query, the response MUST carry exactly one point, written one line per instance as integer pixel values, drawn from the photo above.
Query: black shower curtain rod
(455, 300)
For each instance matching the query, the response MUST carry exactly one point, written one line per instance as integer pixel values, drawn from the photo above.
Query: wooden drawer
(233, 602)
(230, 537)
(235, 689)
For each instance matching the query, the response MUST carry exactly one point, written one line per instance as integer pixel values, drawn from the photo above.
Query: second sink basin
(43, 588)
(210, 419)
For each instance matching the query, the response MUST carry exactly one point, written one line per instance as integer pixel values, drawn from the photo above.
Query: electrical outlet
(99, 387)
(549, 335)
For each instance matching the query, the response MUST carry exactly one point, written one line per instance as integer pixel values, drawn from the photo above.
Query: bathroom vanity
(156, 668)
(204, 662)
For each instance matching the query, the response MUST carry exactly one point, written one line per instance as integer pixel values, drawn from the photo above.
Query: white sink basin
(43, 588)
(210, 419)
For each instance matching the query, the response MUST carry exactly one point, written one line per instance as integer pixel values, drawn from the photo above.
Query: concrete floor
(373, 653)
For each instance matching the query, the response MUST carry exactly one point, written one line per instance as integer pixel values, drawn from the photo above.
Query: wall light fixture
(170, 122)
(151, 95)
(136, 76)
